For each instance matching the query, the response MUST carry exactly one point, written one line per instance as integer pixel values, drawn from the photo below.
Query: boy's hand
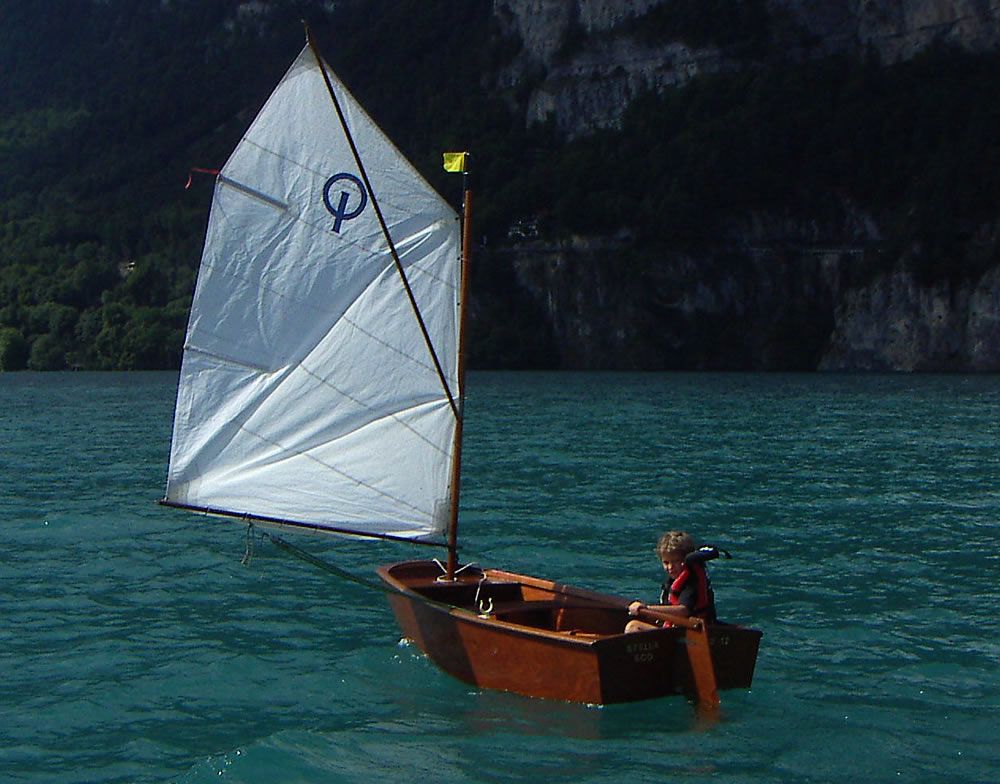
(634, 607)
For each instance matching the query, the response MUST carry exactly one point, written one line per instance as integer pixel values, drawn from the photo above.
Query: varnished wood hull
(540, 639)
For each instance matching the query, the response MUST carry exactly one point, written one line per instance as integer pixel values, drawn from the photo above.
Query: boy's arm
(666, 609)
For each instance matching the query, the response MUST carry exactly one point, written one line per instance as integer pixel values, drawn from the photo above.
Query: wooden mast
(456, 464)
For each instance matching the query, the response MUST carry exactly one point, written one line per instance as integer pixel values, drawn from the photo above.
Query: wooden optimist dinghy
(322, 388)
(500, 630)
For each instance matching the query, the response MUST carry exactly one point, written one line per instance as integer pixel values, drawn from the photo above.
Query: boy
(688, 592)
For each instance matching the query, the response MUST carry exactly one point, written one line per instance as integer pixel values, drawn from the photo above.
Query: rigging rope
(459, 570)
(326, 566)
(248, 554)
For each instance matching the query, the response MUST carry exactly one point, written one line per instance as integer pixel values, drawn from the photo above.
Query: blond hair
(675, 542)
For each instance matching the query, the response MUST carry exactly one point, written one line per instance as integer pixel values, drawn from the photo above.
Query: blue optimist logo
(352, 190)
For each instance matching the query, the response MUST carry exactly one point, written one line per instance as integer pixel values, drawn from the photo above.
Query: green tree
(13, 350)
(48, 352)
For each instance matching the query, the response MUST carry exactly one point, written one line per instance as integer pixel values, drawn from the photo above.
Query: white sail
(307, 391)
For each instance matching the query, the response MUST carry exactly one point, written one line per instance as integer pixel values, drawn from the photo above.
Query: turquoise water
(862, 513)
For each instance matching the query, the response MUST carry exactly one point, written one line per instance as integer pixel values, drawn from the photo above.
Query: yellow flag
(455, 161)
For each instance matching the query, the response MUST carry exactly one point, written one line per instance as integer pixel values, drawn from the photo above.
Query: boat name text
(642, 652)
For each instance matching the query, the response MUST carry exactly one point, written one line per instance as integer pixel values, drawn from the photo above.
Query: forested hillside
(104, 109)
(106, 106)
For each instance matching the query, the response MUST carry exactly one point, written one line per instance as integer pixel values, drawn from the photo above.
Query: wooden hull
(499, 630)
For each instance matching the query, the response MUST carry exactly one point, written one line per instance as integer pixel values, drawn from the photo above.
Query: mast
(456, 466)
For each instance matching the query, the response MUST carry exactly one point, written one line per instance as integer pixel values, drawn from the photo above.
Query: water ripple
(861, 511)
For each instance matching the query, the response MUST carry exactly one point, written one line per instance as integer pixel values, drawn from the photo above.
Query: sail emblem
(340, 211)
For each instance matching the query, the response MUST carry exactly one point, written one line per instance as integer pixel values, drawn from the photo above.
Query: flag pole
(456, 465)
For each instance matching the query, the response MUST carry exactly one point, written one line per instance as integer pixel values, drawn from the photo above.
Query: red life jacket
(704, 605)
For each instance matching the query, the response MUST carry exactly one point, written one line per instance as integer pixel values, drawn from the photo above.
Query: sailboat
(322, 388)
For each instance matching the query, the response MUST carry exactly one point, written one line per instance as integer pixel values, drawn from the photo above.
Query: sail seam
(334, 469)
(388, 269)
(188, 346)
(376, 339)
(394, 415)
(223, 357)
(285, 158)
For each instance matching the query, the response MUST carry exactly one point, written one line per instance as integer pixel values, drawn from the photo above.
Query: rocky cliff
(799, 311)
(896, 324)
(777, 291)
(590, 58)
